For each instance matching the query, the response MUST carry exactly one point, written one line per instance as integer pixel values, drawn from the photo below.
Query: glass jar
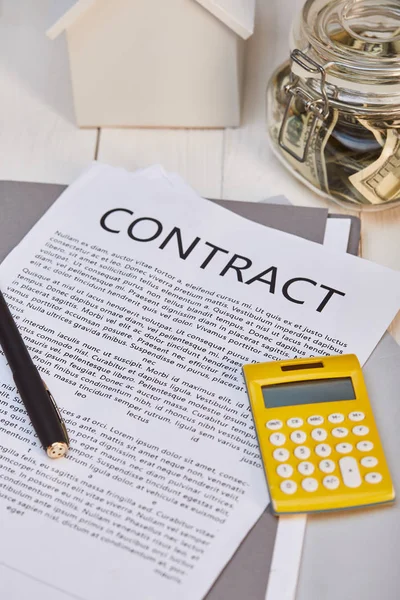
(334, 108)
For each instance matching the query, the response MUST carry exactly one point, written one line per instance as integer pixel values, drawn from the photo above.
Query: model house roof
(238, 15)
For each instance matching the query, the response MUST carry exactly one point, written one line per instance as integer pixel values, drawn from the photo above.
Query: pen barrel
(37, 400)
(43, 414)
(13, 345)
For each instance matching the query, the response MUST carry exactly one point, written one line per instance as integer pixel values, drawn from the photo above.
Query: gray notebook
(303, 221)
(22, 204)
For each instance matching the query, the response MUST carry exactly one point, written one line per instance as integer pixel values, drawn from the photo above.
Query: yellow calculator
(319, 442)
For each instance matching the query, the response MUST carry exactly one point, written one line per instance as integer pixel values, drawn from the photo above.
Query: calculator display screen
(308, 392)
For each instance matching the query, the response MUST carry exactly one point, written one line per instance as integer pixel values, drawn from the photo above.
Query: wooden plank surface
(380, 237)
(38, 137)
(197, 155)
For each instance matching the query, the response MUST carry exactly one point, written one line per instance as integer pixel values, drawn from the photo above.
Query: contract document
(140, 302)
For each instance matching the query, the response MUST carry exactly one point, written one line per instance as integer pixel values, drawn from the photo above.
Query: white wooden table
(40, 142)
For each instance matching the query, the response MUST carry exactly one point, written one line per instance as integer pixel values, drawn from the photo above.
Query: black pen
(38, 401)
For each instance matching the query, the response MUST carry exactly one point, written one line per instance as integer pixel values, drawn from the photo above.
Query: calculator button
(277, 439)
(309, 484)
(344, 448)
(284, 471)
(336, 418)
(288, 486)
(356, 416)
(331, 482)
(373, 478)
(350, 472)
(274, 424)
(302, 452)
(281, 454)
(340, 432)
(364, 446)
(295, 422)
(360, 430)
(315, 420)
(327, 466)
(298, 437)
(319, 435)
(323, 450)
(369, 461)
(306, 468)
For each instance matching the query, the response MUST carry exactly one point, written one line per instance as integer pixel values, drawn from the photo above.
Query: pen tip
(57, 450)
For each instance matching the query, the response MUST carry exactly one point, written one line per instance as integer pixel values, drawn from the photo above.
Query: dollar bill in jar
(379, 182)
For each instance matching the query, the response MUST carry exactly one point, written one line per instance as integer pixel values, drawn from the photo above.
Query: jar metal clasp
(316, 103)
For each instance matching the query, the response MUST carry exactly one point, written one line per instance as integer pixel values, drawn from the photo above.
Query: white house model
(156, 63)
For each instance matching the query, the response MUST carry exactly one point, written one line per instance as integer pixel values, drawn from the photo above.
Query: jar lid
(357, 43)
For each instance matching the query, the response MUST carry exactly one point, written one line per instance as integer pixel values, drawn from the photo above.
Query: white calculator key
(350, 472)
(344, 448)
(373, 478)
(281, 454)
(364, 446)
(298, 437)
(327, 466)
(277, 439)
(360, 430)
(315, 420)
(319, 435)
(274, 424)
(356, 416)
(323, 450)
(295, 422)
(284, 471)
(309, 484)
(369, 461)
(331, 482)
(302, 452)
(340, 432)
(336, 418)
(306, 468)
(288, 486)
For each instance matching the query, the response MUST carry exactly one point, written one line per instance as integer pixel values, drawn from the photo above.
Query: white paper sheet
(286, 560)
(337, 234)
(140, 320)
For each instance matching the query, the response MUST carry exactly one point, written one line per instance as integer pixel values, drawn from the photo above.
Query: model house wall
(154, 63)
